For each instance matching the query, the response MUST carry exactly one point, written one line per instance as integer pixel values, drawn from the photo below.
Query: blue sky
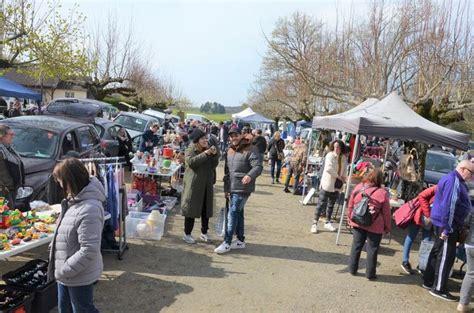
(211, 49)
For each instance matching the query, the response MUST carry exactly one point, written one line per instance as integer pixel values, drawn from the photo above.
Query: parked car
(160, 116)
(437, 164)
(108, 131)
(80, 108)
(166, 120)
(196, 117)
(42, 141)
(135, 123)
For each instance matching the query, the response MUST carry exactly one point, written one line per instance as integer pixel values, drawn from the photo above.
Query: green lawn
(212, 117)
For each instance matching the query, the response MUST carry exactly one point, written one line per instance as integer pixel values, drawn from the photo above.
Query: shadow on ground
(143, 293)
(169, 261)
(294, 253)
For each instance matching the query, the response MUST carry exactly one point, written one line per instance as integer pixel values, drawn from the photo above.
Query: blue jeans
(272, 168)
(76, 299)
(235, 217)
(411, 236)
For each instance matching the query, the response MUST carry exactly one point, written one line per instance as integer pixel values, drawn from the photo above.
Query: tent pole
(348, 187)
(386, 155)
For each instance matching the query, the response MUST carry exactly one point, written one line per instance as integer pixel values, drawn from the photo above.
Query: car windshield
(440, 163)
(32, 142)
(132, 123)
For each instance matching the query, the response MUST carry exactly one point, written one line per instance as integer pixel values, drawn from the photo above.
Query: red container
(168, 153)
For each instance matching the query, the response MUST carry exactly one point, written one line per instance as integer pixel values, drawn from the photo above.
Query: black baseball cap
(235, 130)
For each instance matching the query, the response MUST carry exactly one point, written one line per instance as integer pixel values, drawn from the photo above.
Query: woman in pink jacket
(379, 206)
(421, 220)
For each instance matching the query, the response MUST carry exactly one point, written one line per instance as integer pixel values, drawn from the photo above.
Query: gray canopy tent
(389, 117)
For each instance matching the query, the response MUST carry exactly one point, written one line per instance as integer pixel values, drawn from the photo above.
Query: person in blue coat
(450, 208)
(150, 139)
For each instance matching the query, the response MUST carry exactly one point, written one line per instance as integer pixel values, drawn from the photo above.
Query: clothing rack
(122, 240)
(116, 159)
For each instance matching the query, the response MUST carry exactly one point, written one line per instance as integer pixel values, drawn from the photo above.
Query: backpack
(405, 214)
(361, 214)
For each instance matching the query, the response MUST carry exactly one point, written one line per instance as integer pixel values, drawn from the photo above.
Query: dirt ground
(284, 268)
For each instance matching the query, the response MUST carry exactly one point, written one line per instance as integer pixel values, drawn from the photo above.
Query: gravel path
(284, 268)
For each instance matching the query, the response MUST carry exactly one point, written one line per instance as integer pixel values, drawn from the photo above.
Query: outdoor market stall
(389, 117)
(150, 200)
(9, 88)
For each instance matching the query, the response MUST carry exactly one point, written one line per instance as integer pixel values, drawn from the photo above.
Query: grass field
(212, 117)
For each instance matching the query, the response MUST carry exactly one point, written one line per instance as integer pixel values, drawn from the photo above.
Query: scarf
(9, 154)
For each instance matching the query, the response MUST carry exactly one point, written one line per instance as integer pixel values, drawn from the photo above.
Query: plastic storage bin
(45, 294)
(140, 226)
(19, 300)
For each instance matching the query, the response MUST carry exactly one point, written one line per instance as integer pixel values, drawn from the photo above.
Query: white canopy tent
(390, 117)
(248, 115)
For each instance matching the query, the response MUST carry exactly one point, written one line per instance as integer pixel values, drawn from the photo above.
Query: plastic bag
(220, 223)
(424, 253)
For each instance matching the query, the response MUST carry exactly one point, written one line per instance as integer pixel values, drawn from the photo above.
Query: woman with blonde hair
(276, 156)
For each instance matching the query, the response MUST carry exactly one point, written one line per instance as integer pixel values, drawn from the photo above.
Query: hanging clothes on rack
(112, 197)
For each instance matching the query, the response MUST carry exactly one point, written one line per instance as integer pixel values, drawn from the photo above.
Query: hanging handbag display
(408, 170)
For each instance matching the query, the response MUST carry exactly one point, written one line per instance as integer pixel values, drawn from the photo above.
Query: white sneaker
(314, 228)
(205, 238)
(189, 239)
(329, 226)
(237, 244)
(223, 248)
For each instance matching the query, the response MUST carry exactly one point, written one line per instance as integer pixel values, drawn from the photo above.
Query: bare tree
(113, 55)
(421, 49)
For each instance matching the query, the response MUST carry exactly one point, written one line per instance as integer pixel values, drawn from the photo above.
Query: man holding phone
(243, 164)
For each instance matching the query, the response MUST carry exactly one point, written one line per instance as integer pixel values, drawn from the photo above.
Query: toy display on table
(17, 227)
(160, 161)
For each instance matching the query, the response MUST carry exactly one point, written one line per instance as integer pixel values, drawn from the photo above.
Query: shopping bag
(221, 220)
(404, 215)
(424, 253)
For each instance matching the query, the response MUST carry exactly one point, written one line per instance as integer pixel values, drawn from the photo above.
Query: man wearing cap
(243, 165)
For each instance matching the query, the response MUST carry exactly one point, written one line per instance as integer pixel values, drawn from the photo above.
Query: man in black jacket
(242, 167)
(260, 142)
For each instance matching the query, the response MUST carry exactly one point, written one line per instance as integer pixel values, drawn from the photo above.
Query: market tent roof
(242, 114)
(391, 117)
(9, 88)
(248, 115)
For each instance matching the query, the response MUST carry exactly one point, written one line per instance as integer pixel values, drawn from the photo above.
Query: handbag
(361, 213)
(407, 166)
(338, 183)
(404, 215)
(280, 155)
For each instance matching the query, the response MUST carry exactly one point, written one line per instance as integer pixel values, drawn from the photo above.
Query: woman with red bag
(422, 221)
